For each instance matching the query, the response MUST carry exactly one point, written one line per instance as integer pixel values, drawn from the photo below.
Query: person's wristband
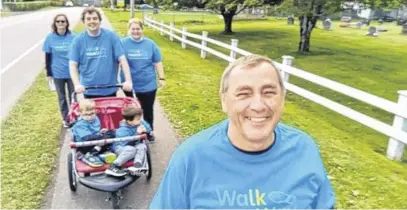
(162, 79)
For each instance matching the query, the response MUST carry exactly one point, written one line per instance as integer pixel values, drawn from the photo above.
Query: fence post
(171, 31)
(204, 36)
(287, 60)
(162, 28)
(234, 45)
(152, 23)
(395, 148)
(184, 37)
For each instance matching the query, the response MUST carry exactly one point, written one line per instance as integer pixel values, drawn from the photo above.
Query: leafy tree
(229, 8)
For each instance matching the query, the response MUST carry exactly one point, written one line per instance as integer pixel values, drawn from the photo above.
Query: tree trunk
(227, 19)
(307, 23)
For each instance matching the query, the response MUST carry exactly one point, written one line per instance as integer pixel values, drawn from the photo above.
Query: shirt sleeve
(146, 125)
(326, 197)
(80, 132)
(46, 47)
(117, 47)
(48, 58)
(122, 132)
(156, 54)
(171, 191)
(73, 53)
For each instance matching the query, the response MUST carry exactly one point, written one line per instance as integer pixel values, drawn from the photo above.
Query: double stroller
(109, 112)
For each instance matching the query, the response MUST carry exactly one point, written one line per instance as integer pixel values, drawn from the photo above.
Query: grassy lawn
(29, 146)
(353, 154)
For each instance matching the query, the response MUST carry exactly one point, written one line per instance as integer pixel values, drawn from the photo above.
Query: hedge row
(28, 6)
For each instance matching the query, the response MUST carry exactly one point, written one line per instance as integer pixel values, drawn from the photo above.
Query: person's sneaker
(151, 139)
(137, 169)
(92, 161)
(114, 170)
(65, 124)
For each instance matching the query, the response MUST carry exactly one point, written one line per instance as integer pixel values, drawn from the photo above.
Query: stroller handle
(73, 96)
(103, 86)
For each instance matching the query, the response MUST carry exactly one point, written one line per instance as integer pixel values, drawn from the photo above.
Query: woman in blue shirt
(56, 47)
(145, 63)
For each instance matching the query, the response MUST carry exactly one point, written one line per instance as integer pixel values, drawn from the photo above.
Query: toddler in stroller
(88, 128)
(131, 125)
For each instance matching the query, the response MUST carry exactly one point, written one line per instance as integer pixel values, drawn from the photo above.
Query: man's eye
(242, 94)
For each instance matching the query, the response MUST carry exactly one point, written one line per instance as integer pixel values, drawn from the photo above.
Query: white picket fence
(397, 132)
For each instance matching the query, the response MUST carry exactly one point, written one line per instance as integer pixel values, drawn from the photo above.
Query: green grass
(353, 154)
(29, 146)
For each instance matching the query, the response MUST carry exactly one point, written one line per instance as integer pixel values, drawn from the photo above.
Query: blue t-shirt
(208, 172)
(126, 130)
(141, 56)
(83, 128)
(58, 46)
(97, 58)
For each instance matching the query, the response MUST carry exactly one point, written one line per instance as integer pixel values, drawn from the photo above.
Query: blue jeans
(126, 153)
(60, 86)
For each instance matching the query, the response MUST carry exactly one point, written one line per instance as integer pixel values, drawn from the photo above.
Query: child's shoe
(114, 170)
(139, 168)
(92, 161)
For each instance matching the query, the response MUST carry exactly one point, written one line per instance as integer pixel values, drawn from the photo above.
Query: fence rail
(397, 132)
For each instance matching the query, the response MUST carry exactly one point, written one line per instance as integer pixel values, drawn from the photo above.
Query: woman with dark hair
(56, 46)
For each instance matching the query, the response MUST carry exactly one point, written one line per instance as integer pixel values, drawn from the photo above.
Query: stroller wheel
(71, 174)
(150, 167)
(115, 200)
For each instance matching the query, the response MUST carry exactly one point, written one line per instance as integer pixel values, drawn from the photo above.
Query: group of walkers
(249, 160)
(96, 56)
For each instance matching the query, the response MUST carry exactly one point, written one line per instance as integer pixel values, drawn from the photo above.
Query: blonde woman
(145, 63)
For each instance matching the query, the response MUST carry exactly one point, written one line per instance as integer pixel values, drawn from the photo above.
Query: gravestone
(328, 24)
(380, 21)
(155, 11)
(290, 20)
(404, 29)
(345, 21)
(401, 21)
(372, 31)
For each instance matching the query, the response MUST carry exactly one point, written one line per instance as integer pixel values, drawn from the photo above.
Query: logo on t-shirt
(137, 54)
(255, 198)
(61, 47)
(96, 52)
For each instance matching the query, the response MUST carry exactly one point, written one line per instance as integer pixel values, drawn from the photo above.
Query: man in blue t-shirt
(95, 56)
(250, 160)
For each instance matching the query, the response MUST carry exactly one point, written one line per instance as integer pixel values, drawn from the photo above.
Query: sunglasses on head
(60, 21)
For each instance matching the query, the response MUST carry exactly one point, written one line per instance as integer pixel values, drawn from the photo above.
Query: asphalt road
(21, 55)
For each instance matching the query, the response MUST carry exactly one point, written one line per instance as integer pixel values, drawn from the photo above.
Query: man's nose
(257, 103)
